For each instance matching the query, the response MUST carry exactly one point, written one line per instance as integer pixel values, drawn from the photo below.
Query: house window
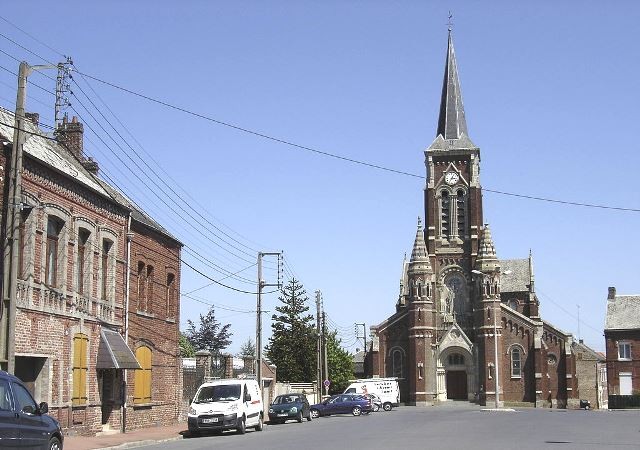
(106, 248)
(83, 238)
(54, 227)
(170, 294)
(516, 363)
(150, 283)
(21, 243)
(142, 284)
(456, 359)
(80, 343)
(142, 381)
(445, 215)
(461, 205)
(624, 351)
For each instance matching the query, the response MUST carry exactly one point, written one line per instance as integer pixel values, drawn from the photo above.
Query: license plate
(283, 415)
(211, 420)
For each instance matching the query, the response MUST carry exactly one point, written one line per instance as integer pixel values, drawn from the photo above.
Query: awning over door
(113, 352)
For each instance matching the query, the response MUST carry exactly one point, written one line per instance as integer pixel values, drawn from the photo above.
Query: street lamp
(495, 342)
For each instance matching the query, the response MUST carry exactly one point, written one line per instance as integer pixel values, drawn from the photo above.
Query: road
(454, 426)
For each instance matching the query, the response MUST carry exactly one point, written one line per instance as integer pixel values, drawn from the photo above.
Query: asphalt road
(454, 426)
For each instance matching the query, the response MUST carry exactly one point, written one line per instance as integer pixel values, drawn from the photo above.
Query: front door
(457, 385)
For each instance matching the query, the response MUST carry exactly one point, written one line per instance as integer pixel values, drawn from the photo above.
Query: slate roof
(45, 149)
(588, 352)
(452, 123)
(623, 313)
(519, 278)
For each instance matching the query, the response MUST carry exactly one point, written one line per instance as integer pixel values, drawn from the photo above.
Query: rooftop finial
(450, 22)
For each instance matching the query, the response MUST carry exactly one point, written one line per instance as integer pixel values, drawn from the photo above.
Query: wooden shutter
(80, 368)
(142, 381)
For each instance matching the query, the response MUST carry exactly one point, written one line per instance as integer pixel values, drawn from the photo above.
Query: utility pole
(324, 346)
(262, 284)
(12, 225)
(364, 334)
(319, 343)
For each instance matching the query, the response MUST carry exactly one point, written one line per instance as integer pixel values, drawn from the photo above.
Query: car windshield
(218, 393)
(284, 399)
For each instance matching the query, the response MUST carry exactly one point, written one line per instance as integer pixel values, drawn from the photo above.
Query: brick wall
(614, 366)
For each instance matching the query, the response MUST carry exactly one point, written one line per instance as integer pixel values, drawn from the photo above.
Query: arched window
(54, 228)
(142, 381)
(150, 286)
(516, 362)
(80, 345)
(396, 361)
(456, 359)
(142, 285)
(106, 249)
(445, 215)
(461, 209)
(81, 260)
(170, 295)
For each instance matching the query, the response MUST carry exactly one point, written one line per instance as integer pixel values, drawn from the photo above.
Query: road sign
(326, 383)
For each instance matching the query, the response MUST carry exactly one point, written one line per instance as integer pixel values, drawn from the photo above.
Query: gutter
(127, 265)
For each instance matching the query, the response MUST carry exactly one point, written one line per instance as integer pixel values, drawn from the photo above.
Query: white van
(226, 404)
(386, 388)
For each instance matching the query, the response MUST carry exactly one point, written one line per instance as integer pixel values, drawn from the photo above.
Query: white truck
(386, 388)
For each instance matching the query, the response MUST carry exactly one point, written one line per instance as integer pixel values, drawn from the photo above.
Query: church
(467, 324)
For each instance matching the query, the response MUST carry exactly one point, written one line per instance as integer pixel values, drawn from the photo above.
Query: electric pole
(364, 334)
(13, 201)
(324, 346)
(262, 284)
(319, 343)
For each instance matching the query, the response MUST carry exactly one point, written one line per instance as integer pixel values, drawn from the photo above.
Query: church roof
(451, 121)
(518, 278)
(623, 313)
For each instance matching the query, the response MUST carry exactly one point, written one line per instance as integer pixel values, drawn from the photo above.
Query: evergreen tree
(210, 335)
(339, 363)
(292, 346)
(186, 348)
(247, 350)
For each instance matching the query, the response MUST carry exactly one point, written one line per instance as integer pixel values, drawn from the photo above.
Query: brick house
(622, 338)
(465, 318)
(591, 374)
(76, 345)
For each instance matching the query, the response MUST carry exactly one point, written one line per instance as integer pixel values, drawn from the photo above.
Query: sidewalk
(136, 438)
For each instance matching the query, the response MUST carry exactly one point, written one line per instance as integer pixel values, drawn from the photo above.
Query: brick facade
(460, 308)
(72, 283)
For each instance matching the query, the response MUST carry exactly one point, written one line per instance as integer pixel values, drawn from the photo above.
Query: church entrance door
(457, 385)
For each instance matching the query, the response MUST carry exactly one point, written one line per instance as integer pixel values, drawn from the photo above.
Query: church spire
(451, 122)
(487, 259)
(419, 261)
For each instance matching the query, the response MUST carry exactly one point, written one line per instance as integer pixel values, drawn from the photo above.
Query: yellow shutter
(142, 380)
(79, 391)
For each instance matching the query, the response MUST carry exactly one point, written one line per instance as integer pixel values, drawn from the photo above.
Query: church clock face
(451, 178)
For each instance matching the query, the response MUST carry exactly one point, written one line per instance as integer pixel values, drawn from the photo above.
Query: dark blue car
(342, 404)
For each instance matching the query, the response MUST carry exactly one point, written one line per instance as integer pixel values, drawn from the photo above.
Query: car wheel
(309, 417)
(260, 425)
(54, 444)
(299, 417)
(242, 426)
(315, 413)
(376, 407)
(356, 411)
(387, 406)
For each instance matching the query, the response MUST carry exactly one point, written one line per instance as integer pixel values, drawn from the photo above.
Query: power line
(32, 37)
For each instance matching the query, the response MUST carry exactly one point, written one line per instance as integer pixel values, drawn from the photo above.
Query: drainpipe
(127, 265)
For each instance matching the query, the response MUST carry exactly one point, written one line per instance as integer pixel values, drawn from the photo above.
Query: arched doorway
(456, 376)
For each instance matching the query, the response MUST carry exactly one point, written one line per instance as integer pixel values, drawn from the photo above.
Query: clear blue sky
(551, 96)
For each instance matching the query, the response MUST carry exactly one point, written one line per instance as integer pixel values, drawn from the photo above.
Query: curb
(144, 443)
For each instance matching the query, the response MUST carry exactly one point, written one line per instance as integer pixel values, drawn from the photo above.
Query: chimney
(91, 165)
(69, 134)
(581, 341)
(33, 117)
(612, 294)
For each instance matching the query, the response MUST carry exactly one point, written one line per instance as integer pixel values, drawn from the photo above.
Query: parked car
(226, 404)
(24, 423)
(342, 404)
(288, 407)
(387, 389)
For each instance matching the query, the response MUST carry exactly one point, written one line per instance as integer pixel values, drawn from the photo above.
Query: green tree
(340, 364)
(247, 350)
(210, 335)
(186, 348)
(292, 345)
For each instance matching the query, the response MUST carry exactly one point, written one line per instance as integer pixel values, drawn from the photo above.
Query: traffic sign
(326, 383)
